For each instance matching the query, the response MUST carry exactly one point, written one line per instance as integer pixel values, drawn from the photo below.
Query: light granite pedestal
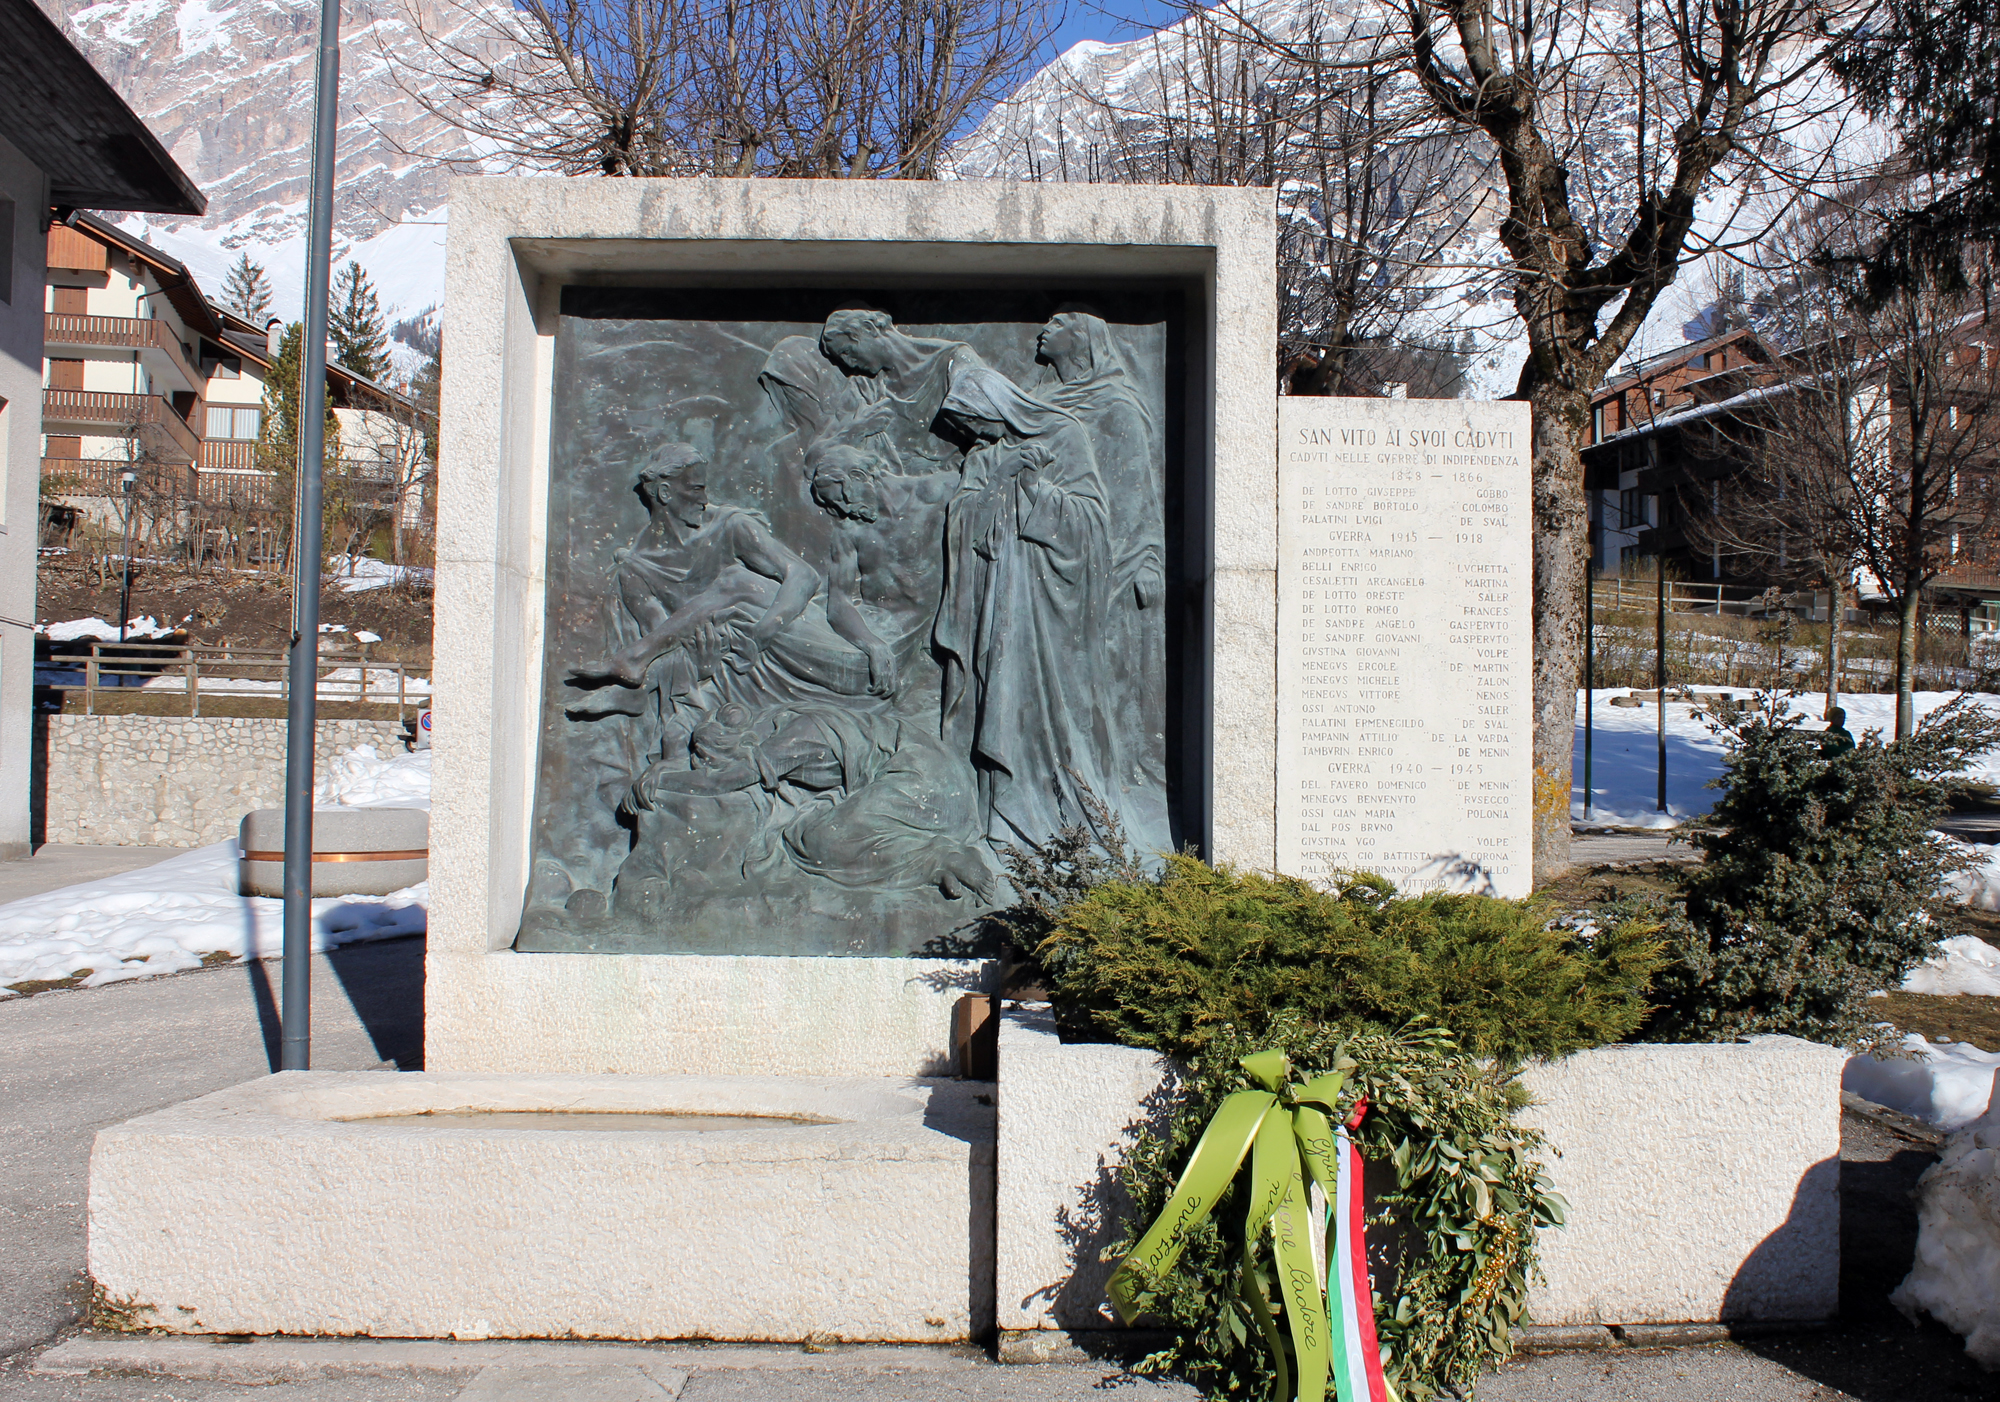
(1703, 1181)
(284, 1207)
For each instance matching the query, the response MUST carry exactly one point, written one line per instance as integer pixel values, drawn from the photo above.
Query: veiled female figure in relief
(1095, 383)
(1020, 628)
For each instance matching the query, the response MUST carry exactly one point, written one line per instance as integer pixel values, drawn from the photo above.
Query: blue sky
(1111, 20)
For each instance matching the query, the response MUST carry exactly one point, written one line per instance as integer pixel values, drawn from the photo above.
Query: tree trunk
(1562, 545)
(1906, 657)
(1836, 594)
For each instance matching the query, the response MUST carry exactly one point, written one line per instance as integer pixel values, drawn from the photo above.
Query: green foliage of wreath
(1452, 1232)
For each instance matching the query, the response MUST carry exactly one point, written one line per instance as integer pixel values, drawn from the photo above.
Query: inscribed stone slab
(1404, 644)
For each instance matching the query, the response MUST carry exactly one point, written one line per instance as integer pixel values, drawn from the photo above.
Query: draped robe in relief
(1020, 628)
(1125, 435)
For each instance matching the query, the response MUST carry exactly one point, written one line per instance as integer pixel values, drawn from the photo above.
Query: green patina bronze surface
(843, 601)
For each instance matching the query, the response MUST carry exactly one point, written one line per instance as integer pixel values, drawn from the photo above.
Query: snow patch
(1964, 964)
(163, 918)
(358, 573)
(96, 628)
(1956, 1275)
(1948, 1084)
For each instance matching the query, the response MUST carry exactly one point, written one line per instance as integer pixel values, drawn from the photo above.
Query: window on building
(1597, 424)
(1632, 512)
(227, 368)
(233, 423)
(69, 301)
(1700, 362)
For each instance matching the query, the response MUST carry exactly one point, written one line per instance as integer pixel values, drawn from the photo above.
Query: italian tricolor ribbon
(1357, 1358)
(1287, 1134)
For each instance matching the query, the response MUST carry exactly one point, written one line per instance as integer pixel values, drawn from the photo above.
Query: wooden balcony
(67, 331)
(105, 477)
(102, 413)
(228, 454)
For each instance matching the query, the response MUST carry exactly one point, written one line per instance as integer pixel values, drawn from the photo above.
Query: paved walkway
(68, 864)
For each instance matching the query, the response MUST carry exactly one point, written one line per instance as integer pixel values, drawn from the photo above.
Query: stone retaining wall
(176, 781)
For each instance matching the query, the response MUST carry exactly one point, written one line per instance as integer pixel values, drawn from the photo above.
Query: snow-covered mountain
(227, 86)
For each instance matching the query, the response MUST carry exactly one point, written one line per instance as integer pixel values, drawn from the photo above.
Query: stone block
(277, 1207)
(1703, 1181)
(356, 851)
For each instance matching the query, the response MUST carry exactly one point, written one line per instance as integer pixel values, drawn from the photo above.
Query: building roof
(175, 280)
(1654, 366)
(65, 118)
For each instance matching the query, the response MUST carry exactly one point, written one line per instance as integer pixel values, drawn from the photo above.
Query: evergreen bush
(1166, 963)
(1822, 881)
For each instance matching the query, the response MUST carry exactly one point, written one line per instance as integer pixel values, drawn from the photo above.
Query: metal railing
(135, 333)
(122, 412)
(1685, 596)
(345, 674)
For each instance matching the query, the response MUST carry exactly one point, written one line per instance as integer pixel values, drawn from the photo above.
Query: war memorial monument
(803, 548)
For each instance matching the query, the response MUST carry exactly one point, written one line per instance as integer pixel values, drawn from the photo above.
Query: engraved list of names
(1404, 642)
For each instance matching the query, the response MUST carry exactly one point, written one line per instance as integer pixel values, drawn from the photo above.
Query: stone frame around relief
(514, 244)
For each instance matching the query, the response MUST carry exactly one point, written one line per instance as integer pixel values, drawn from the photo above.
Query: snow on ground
(1958, 1241)
(1948, 1084)
(359, 573)
(77, 629)
(361, 778)
(1963, 964)
(163, 918)
(1624, 780)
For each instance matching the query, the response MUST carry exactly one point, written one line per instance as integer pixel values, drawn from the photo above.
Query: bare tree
(1928, 494)
(808, 88)
(1781, 503)
(1609, 126)
(1370, 195)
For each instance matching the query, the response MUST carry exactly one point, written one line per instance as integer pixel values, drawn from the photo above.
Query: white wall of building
(23, 197)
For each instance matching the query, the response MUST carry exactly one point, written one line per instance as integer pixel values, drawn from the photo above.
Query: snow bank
(1956, 1275)
(1948, 1084)
(163, 918)
(361, 778)
(1963, 964)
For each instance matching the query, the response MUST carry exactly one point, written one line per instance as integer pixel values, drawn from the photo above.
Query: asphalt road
(76, 1060)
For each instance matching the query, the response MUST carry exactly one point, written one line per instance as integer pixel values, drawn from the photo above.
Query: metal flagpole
(1660, 663)
(302, 670)
(1589, 670)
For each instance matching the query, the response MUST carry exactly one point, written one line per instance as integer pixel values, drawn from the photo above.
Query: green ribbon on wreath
(1286, 1132)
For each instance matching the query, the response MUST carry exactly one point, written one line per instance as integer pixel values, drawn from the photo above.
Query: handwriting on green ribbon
(1285, 1133)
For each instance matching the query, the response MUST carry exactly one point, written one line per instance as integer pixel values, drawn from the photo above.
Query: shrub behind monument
(1822, 881)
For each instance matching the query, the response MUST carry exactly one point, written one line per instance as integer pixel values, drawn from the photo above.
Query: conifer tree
(278, 451)
(355, 326)
(248, 291)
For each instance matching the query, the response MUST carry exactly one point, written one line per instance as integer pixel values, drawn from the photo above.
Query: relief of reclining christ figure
(875, 631)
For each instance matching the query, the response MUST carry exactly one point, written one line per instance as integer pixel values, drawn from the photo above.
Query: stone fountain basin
(863, 1211)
